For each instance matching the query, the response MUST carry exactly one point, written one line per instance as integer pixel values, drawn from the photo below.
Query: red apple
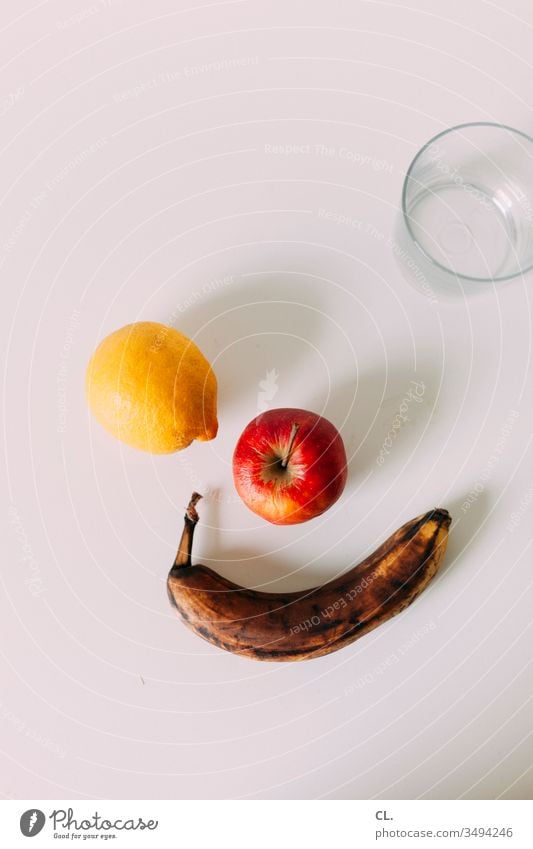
(289, 465)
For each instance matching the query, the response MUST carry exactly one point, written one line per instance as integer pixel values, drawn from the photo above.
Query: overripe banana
(314, 622)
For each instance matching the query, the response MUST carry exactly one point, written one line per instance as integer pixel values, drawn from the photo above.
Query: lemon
(152, 388)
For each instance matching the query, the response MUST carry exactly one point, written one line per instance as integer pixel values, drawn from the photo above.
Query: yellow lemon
(152, 388)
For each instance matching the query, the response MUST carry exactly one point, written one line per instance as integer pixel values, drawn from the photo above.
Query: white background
(140, 181)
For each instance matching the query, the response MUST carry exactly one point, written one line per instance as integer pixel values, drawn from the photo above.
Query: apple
(289, 465)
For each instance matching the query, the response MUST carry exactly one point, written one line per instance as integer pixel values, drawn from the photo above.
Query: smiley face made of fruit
(152, 388)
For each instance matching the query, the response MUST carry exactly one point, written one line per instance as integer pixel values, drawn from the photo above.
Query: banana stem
(287, 455)
(183, 557)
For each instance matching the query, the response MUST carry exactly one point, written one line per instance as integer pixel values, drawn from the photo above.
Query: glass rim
(405, 215)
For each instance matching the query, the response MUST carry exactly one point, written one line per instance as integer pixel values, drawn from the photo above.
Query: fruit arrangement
(152, 388)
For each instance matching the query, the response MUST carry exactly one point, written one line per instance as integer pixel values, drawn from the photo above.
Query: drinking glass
(467, 208)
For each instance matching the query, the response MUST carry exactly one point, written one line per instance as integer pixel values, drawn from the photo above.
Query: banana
(310, 623)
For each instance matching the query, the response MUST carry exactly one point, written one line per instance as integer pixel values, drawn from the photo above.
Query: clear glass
(467, 207)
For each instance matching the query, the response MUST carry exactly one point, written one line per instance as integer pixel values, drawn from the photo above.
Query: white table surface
(192, 163)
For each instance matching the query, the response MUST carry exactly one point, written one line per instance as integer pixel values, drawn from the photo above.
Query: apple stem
(287, 455)
(183, 557)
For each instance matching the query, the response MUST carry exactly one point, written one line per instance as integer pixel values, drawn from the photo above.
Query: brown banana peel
(307, 623)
